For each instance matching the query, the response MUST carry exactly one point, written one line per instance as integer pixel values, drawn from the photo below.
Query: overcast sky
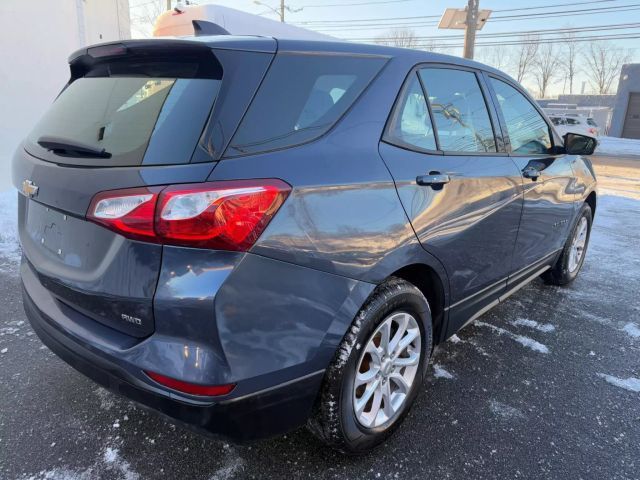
(364, 20)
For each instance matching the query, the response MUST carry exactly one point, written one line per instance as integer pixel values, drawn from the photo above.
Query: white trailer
(178, 22)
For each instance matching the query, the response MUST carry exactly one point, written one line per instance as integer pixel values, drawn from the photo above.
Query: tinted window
(557, 121)
(410, 123)
(459, 110)
(300, 99)
(528, 132)
(591, 121)
(572, 121)
(138, 120)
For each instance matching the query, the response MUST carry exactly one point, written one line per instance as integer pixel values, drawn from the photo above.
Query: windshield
(134, 120)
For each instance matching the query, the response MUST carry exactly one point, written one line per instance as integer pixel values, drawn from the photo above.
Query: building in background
(36, 38)
(626, 113)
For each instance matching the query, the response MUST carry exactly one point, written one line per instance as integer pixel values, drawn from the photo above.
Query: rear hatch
(134, 114)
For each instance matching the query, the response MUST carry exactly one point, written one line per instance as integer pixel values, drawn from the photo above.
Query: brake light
(228, 215)
(191, 388)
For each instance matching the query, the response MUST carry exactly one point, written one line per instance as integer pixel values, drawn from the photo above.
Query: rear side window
(135, 120)
(301, 98)
(459, 110)
(528, 131)
(410, 124)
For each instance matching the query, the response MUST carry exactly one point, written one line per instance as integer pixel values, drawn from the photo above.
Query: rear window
(136, 120)
(301, 98)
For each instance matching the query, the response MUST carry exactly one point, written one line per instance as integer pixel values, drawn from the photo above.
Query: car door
(547, 178)
(460, 190)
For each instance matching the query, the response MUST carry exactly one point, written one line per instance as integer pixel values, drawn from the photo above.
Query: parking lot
(546, 385)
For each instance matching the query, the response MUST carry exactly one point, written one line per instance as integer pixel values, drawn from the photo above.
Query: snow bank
(9, 246)
(618, 146)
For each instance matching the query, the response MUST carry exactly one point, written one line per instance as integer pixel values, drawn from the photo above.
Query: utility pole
(469, 19)
(168, 4)
(282, 11)
(471, 24)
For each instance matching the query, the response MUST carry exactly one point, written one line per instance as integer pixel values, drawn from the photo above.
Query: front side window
(410, 124)
(459, 110)
(528, 131)
(300, 99)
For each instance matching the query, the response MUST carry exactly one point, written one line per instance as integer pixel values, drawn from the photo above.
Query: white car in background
(574, 123)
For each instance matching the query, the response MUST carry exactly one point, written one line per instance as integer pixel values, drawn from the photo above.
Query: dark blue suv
(250, 234)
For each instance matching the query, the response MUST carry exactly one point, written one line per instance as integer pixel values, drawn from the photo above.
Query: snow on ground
(440, 372)
(521, 339)
(617, 146)
(504, 410)
(109, 461)
(9, 246)
(632, 384)
(541, 327)
(233, 464)
(632, 329)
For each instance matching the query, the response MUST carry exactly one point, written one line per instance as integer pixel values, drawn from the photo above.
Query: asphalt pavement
(545, 386)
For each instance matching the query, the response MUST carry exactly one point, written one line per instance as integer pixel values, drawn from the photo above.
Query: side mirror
(575, 144)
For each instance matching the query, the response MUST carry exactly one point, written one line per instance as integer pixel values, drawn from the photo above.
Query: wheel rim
(578, 244)
(386, 370)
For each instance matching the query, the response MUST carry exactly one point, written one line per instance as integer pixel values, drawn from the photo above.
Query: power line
(598, 9)
(355, 4)
(384, 19)
(553, 6)
(550, 31)
(503, 18)
(586, 38)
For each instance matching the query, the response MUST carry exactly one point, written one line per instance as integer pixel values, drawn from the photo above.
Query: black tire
(334, 420)
(560, 273)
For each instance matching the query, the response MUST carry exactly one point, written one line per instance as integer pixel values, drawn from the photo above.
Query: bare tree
(545, 67)
(497, 57)
(569, 58)
(603, 63)
(399, 37)
(144, 16)
(525, 55)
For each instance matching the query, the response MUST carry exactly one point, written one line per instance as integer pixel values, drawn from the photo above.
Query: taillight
(228, 215)
(129, 212)
(191, 388)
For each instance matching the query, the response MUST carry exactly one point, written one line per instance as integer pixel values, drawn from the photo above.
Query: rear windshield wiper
(70, 148)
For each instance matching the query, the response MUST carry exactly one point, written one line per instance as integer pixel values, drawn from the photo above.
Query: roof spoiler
(202, 28)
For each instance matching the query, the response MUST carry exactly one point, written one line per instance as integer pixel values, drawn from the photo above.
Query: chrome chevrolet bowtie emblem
(29, 188)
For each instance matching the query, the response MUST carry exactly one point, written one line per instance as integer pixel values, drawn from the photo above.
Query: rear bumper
(266, 413)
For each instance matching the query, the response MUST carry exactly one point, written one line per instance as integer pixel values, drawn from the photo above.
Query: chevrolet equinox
(250, 234)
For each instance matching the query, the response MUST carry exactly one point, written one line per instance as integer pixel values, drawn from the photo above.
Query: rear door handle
(433, 179)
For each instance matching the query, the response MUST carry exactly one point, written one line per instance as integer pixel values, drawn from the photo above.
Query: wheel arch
(428, 281)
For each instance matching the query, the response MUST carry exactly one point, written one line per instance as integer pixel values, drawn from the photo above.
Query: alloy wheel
(387, 369)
